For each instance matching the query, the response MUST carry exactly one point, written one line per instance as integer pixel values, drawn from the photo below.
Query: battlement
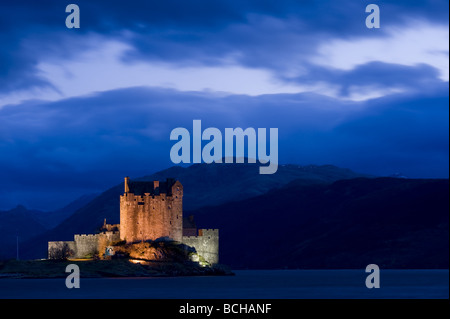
(113, 232)
(142, 198)
(154, 188)
(85, 236)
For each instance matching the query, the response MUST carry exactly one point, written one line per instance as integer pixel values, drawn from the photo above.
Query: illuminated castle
(148, 211)
(151, 210)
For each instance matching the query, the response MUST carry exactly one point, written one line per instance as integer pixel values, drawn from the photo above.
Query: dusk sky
(82, 108)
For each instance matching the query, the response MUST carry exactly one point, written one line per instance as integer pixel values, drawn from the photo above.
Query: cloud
(79, 145)
(373, 80)
(409, 45)
(105, 71)
(98, 103)
(245, 47)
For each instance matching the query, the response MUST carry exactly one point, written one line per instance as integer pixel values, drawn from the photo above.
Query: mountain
(28, 223)
(204, 184)
(17, 224)
(213, 184)
(391, 222)
(53, 218)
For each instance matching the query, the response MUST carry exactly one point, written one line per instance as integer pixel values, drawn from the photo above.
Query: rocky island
(151, 240)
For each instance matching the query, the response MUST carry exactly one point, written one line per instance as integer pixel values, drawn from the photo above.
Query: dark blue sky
(81, 108)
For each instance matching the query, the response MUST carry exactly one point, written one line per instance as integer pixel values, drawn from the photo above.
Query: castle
(148, 211)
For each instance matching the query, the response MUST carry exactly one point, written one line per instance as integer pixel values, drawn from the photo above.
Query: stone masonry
(148, 211)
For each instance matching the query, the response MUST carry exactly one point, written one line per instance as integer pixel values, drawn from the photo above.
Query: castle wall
(150, 217)
(155, 211)
(206, 244)
(105, 240)
(86, 245)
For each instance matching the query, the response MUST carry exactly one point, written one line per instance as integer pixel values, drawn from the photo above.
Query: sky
(82, 108)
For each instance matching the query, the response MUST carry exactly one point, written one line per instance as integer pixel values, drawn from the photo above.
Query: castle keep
(151, 210)
(148, 211)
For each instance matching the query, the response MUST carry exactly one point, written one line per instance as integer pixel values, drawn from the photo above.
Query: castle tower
(150, 210)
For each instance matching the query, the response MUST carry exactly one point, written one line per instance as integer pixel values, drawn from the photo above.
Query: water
(247, 284)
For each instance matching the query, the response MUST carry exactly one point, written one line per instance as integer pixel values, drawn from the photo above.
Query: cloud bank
(81, 108)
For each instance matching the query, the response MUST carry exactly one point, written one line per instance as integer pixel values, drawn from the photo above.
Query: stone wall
(206, 244)
(149, 217)
(106, 239)
(86, 245)
(147, 212)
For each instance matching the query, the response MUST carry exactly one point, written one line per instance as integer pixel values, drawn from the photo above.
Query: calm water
(285, 284)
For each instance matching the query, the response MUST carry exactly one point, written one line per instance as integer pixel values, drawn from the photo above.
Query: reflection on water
(264, 284)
